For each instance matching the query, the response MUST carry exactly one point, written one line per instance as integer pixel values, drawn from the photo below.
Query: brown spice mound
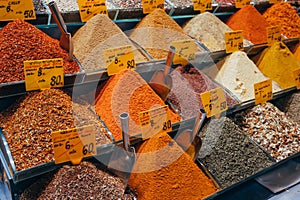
(20, 41)
(127, 92)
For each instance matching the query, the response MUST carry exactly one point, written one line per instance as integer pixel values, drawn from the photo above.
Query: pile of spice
(20, 41)
(272, 129)
(127, 92)
(229, 154)
(164, 171)
(38, 6)
(27, 125)
(188, 84)
(182, 3)
(239, 74)
(278, 63)
(284, 15)
(127, 4)
(84, 181)
(251, 22)
(98, 34)
(156, 32)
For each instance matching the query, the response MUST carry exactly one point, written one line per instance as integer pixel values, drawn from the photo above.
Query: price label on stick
(90, 8)
(214, 102)
(202, 5)
(150, 5)
(154, 121)
(263, 91)
(234, 41)
(74, 144)
(43, 74)
(297, 78)
(273, 34)
(241, 3)
(16, 9)
(185, 51)
(118, 59)
(274, 1)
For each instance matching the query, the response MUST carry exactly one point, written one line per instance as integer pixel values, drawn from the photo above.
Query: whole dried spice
(27, 125)
(127, 92)
(284, 15)
(164, 171)
(251, 22)
(20, 41)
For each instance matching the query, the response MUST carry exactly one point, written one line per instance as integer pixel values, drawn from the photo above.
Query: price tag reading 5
(74, 144)
(150, 5)
(202, 5)
(118, 59)
(90, 8)
(234, 41)
(154, 121)
(16, 9)
(263, 91)
(185, 51)
(43, 74)
(297, 78)
(273, 34)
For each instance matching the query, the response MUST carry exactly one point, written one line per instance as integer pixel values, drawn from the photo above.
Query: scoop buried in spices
(65, 39)
(123, 158)
(161, 81)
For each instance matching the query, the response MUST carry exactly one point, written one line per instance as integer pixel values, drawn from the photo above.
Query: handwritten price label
(263, 91)
(214, 102)
(202, 5)
(74, 144)
(234, 41)
(150, 5)
(297, 78)
(118, 59)
(90, 8)
(273, 34)
(16, 9)
(185, 51)
(154, 121)
(241, 3)
(274, 1)
(43, 74)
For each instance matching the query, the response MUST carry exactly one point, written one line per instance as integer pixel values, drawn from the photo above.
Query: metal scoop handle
(57, 17)
(125, 130)
(169, 60)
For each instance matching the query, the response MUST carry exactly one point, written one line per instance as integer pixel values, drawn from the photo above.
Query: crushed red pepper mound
(20, 41)
(127, 92)
(164, 171)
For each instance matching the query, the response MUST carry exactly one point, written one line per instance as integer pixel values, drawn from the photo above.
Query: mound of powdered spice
(284, 15)
(251, 22)
(127, 92)
(27, 125)
(164, 171)
(20, 41)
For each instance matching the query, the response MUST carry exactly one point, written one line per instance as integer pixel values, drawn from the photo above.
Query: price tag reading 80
(263, 91)
(16, 9)
(90, 8)
(150, 5)
(185, 51)
(234, 41)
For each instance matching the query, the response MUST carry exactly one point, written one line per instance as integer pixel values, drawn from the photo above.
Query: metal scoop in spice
(161, 81)
(123, 158)
(65, 39)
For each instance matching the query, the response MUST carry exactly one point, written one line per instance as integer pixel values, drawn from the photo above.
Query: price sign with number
(214, 102)
(263, 91)
(150, 5)
(185, 51)
(241, 3)
(273, 34)
(90, 8)
(274, 1)
(297, 78)
(16, 9)
(234, 41)
(74, 144)
(43, 74)
(154, 121)
(202, 5)
(118, 59)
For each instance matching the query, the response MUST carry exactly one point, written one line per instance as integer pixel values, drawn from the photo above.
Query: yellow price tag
(274, 1)
(214, 102)
(118, 59)
(185, 51)
(90, 8)
(241, 3)
(263, 91)
(202, 5)
(154, 121)
(150, 5)
(234, 41)
(297, 78)
(43, 74)
(74, 144)
(16, 9)
(273, 34)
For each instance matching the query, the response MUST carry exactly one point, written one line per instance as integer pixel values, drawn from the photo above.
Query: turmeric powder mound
(284, 15)
(278, 63)
(163, 171)
(156, 32)
(251, 22)
(128, 92)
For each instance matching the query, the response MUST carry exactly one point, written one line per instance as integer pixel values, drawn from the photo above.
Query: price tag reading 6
(234, 41)
(150, 5)
(185, 51)
(263, 91)
(90, 8)
(16, 9)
